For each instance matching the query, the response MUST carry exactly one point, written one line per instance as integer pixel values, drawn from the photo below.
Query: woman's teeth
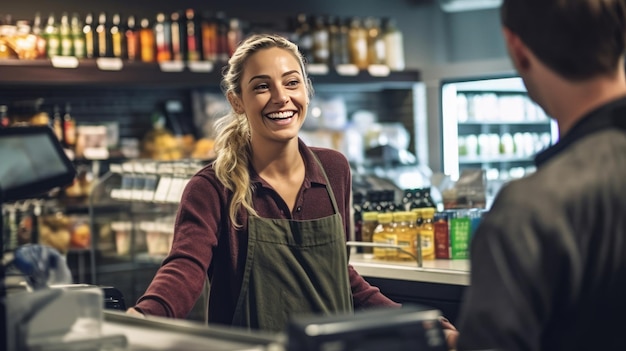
(280, 115)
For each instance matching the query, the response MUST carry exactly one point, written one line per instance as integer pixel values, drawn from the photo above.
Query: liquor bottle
(51, 33)
(146, 41)
(57, 123)
(178, 37)
(38, 31)
(69, 128)
(208, 31)
(222, 36)
(375, 42)
(91, 44)
(162, 36)
(132, 39)
(338, 36)
(65, 36)
(394, 45)
(78, 37)
(234, 35)
(357, 42)
(321, 41)
(103, 36)
(117, 37)
(304, 34)
(193, 45)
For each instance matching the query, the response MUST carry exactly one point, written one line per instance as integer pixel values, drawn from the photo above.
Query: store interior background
(437, 44)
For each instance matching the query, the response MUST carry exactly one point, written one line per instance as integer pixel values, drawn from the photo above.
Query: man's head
(577, 39)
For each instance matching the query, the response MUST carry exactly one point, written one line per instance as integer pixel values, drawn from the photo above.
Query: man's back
(549, 260)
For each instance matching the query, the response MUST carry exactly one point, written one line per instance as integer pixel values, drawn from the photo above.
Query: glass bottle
(209, 37)
(357, 36)
(442, 235)
(103, 36)
(385, 234)
(427, 234)
(177, 37)
(117, 36)
(132, 39)
(375, 42)
(53, 41)
(338, 31)
(407, 233)
(162, 36)
(91, 44)
(38, 31)
(193, 46)
(304, 33)
(321, 41)
(4, 116)
(65, 36)
(222, 36)
(234, 35)
(394, 45)
(57, 123)
(78, 38)
(370, 222)
(69, 128)
(146, 41)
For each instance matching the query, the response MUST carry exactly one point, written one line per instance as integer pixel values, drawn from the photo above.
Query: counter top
(456, 272)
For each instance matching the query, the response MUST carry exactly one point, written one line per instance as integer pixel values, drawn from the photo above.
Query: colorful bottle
(385, 234)
(427, 234)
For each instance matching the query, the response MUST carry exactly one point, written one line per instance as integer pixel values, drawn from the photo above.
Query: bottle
(222, 37)
(427, 234)
(305, 37)
(442, 235)
(103, 36)
(65, 36)
(407, 233)
(338, 36)
(357, 41)
(375, 42)
(234, 35)
(208, 33)
(177, 45)
(57, 123)
(38, 31)
(53, 41)
(117, 36)
(69, 128)
(321, 41)
(91, 44)
(132, 39)
(385, 234)
(78, 37)
(357, 215)
(193, 46)
(370, 222)
(146, 41)
(162, 36)
(4, 116)
(394, 45)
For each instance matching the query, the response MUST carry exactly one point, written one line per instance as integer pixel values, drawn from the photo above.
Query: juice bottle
(427, 234)
(385, 234)
(406, 232)
(370, 222)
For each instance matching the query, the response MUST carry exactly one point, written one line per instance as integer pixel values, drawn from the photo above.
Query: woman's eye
(293, 83)
(261, 87)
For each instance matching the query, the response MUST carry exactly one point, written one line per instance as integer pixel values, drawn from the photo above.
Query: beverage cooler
(491, 124)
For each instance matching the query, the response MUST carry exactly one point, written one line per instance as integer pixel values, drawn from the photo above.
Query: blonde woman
(266, 222)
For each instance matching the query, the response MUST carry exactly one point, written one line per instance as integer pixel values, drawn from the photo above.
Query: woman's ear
(235, 102)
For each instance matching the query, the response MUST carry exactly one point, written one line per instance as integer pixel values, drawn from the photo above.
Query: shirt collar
(611, 115)
(313, 171)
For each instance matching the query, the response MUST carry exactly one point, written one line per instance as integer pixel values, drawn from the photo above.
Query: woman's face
(273, 95)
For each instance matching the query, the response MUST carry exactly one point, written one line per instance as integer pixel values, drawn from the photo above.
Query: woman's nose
(280, 96)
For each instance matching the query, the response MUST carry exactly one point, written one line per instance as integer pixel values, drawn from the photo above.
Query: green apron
(293, 267)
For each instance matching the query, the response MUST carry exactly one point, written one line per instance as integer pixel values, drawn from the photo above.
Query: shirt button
(299, 209)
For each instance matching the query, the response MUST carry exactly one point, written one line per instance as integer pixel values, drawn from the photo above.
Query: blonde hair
(232, 144)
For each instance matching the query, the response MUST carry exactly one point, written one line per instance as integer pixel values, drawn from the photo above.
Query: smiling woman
(267, 221)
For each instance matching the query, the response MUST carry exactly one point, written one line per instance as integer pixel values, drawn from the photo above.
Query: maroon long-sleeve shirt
(206, 244)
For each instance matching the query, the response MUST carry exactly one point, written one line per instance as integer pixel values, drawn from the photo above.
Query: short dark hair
(578, 39)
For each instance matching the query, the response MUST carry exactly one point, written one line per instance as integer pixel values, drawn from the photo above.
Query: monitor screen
(32, 162)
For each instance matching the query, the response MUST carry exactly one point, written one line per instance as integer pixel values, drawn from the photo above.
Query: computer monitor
(32, 162)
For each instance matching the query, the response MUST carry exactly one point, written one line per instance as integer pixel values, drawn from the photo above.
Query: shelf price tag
(176, 190)
(172, 66)
(200, 66)
(317, 69)
(378, 70)
(64, 62)
(347, 70)
(109, 63)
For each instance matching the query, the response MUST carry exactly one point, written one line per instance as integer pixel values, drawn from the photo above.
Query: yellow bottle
(427, 234)
(385, 234)
(406, 235)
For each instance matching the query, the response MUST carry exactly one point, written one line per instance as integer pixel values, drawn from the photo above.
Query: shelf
(493, 159)
(498, 123)
(88, 73)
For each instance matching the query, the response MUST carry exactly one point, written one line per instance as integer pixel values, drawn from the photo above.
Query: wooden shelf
(89, 73)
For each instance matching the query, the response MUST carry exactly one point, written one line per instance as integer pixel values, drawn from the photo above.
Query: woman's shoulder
(327, 155)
